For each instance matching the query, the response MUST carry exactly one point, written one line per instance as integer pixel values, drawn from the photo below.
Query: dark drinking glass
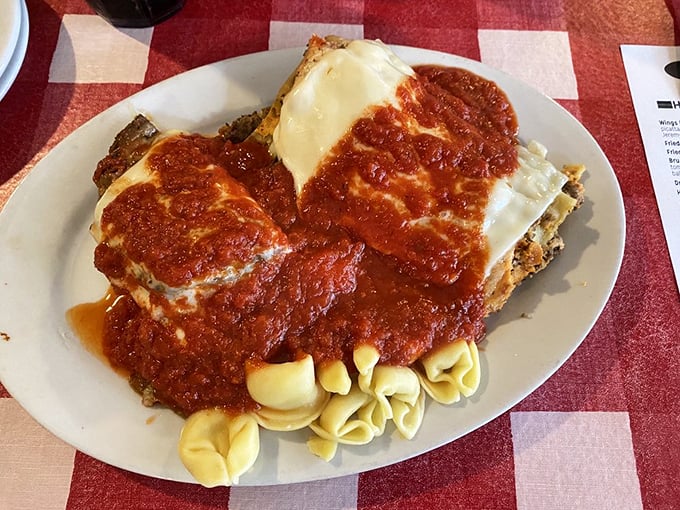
(135, 13)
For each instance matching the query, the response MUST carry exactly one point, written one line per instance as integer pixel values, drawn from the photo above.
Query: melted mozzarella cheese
(516, 202)
(139, 173)
(324, 104)
(344, 83)
(144, 281)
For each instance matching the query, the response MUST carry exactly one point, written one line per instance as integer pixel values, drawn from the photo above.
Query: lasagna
(327, 262)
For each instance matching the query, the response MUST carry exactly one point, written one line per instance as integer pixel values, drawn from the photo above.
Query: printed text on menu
(654, 79)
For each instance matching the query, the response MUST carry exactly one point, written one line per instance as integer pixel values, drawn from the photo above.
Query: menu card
(654, 79)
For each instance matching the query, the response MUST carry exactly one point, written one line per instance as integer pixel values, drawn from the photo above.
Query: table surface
(619, 389)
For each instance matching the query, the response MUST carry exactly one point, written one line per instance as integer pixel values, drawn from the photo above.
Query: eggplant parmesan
(325, 262)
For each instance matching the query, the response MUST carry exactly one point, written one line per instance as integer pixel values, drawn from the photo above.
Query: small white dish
(13, 64)
(10, 23)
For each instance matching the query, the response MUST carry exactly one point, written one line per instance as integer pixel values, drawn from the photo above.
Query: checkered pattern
(603, 432)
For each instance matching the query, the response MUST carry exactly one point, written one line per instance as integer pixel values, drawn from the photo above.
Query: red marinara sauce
(356, 269)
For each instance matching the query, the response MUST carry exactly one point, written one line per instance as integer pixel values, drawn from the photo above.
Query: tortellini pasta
(451, 371)
(334, 377)
(217, 448)
(292, 419)
(283, 386)
(408, 417)
(340, 405)
(289, 393)
(386, 384)
(336, 422)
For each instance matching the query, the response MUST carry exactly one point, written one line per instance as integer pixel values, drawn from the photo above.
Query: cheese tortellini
(217, 448)
(290, 396)
(340, 405)
(451, 371)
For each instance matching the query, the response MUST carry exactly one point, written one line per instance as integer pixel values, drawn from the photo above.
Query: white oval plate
(47, 268)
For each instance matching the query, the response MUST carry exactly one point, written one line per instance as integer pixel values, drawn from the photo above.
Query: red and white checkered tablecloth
(603, 432)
